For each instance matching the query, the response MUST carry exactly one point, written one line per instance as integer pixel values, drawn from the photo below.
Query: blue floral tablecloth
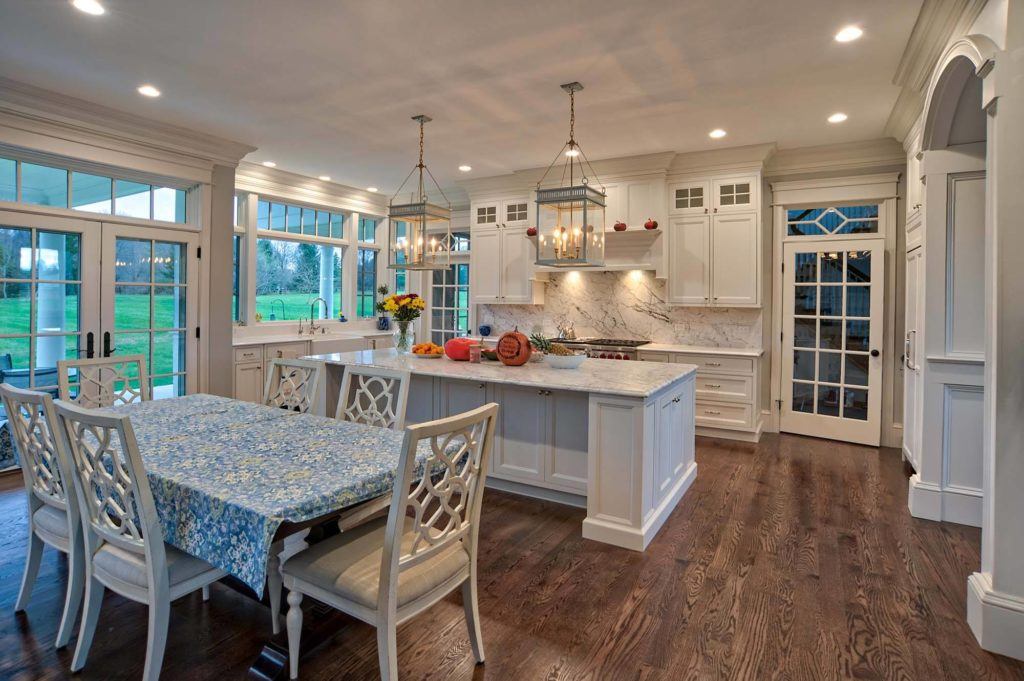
(226, 474)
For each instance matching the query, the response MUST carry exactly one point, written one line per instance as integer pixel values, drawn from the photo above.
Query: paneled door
(832, 336)
(150, 302)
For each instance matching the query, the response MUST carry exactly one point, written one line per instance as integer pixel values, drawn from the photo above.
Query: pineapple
(540, 343)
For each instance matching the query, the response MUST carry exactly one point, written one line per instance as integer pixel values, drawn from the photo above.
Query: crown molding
(937, 23)
(752, 157)
(87, 123)
(288, 186)
(850, 157)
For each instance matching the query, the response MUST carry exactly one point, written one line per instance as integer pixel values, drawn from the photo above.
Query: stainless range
(604, 348)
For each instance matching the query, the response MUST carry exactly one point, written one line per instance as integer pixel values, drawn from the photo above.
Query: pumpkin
(514, 349)
(458, 349)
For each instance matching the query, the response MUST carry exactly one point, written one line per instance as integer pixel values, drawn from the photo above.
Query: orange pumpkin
(458, 349)
(514, 349)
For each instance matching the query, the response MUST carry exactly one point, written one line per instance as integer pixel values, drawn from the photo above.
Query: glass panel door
(149, 305)
(831, 338)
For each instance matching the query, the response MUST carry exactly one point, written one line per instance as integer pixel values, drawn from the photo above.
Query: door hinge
(782, 336)
(197, 332)
(783, 265)
(199, 252)
(779, 404)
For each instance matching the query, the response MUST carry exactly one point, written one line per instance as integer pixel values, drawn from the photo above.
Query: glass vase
(404, 334)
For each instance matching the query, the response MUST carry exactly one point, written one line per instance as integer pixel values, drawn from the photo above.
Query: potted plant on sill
(383, 320)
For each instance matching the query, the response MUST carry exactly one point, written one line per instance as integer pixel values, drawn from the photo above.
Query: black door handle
(90, 343)
(874, 353)
(107, 350)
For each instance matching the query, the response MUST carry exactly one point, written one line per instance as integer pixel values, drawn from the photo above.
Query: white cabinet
(735, 256)
(519, 452)
(913, 342)
(456, 397)
(689, 260)
(673, 421)
(732, 194)
(915, 195)
(292, 350)
(689, 198)
(502, 257)
(249, 381)
(566, 460)
(714, 260)
(633, 202)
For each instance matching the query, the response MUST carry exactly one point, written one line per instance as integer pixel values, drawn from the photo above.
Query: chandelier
(419, 232)
(570, 216)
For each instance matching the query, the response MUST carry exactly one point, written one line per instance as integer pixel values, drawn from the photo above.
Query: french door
(832, 335)
(74, 288)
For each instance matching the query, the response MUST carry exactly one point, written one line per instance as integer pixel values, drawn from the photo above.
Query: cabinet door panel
(735, 194)
(689, 260)
(690, 198)
(519, 447)
(249, 381)
(517, 265)
(420, 406)
(485, 214)
(640, 196)
(516, 212)
(461, 396)
(567, 437)
(485, 265)
(734, 259)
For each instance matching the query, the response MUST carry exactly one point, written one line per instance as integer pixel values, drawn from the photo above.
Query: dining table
(230, 478)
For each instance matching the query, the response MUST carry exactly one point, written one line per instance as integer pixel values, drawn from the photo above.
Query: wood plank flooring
(792, 559)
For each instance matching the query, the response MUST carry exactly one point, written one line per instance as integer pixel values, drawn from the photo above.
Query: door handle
(875, 353)
(107, 350)
(90, 342)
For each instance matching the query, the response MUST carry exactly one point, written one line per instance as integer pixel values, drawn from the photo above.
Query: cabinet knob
(716, 210)
(705, 211)
(482, 386)
(675, 399)
(280, 354)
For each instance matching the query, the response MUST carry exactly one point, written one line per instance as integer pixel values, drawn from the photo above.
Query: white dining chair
(292, 384)
(124, 547)
(390, 570)
(53, 516)
(103, 381)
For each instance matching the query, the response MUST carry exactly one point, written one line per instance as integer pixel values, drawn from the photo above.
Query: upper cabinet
(734, 194)
(690, 198)
(915, 192)
(501, 260)
(516, 212)
(633, 202)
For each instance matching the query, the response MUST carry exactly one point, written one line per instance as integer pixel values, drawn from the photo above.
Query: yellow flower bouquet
(404, 308)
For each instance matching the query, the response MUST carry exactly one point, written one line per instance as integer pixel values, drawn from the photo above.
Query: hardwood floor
(792, 559)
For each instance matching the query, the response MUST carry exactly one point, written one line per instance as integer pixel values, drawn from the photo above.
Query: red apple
(531, 231)
(619, 226)
(651, 224)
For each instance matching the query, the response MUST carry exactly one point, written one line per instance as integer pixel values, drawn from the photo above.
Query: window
(239, 211)
(281, 217)
(44, 185)
(236, 249)
(839, 220)
(449, 310)
(288, 278)
(366, 283)
(368, 230)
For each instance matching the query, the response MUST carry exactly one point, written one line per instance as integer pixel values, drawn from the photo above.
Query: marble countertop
(702, 349)
(604, 376)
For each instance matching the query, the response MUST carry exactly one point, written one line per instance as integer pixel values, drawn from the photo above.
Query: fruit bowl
(566, 361)
(427, 351)
(437, 355)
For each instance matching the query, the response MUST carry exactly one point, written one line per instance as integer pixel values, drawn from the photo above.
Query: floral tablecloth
(226, 474)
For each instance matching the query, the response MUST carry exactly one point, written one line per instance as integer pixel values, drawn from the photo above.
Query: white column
(995, 599)
(327, 279)
(218, 330)
(50, 301)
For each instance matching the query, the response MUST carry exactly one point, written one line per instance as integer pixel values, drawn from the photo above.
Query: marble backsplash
(625, 305)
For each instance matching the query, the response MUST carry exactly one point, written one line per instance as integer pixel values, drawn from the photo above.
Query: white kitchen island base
(619, 435)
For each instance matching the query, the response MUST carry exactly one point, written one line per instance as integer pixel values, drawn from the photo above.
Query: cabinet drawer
(725, 387)
(717, 363)
(285, 350)
(252, 353)
(724, 414)
(652, 356)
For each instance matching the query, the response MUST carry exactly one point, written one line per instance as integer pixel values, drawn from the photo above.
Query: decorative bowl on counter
(566, 361)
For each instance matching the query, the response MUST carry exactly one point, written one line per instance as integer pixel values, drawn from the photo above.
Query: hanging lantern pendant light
(419, 232)
(570, 217)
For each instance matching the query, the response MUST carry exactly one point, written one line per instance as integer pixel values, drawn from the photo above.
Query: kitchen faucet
(313, 313)
(283, 313)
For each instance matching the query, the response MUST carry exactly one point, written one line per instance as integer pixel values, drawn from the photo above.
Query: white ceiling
(327, 87)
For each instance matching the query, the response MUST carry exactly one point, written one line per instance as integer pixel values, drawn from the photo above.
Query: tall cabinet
(501, 261)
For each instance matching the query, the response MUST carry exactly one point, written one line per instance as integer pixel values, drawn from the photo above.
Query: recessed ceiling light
(848, 34)
(837, 117)
(270, 164)
(371, 189)
(572, 153)
(325, 178)
(465, 168)
(717, 133)
(89, 7)
(148, 90)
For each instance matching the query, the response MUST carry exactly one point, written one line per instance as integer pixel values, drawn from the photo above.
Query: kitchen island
(614, 437)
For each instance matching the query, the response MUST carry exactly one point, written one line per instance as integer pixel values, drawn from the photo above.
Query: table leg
(274, 584)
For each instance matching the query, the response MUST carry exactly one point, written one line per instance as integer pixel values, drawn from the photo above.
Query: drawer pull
(712, 385)
(280, 354)
(713, 364)
(712, 411)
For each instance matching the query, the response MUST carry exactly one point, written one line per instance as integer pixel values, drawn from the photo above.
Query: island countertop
(602, 376)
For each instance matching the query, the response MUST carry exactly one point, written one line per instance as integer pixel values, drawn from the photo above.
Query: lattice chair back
(44, 463)
(293, 384)
(104, 381)
(113, 491)
(374, 397)
(445, 502)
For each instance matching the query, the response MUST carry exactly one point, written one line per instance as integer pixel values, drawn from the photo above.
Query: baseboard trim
(727, 434)
(523, 489)
(952, 505)
(997, 619)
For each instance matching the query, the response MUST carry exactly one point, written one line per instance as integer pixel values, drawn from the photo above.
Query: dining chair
(374, 397)
(124, 547)
(389, 570)
(292, 384)
(104, 381)
(53, 515)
